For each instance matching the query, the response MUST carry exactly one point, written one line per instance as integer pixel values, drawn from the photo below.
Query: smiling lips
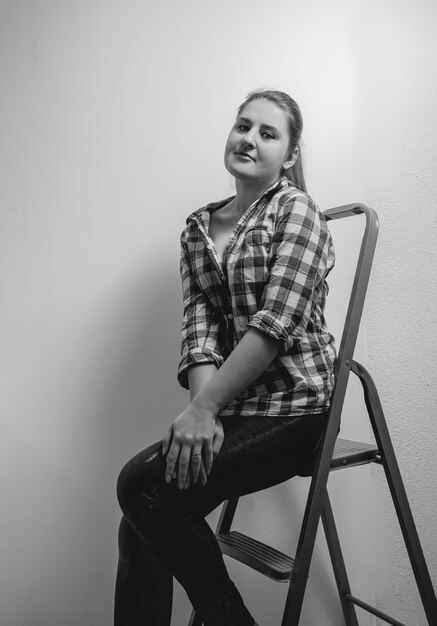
(244, 154)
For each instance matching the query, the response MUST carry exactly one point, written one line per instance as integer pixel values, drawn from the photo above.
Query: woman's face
(258, 144)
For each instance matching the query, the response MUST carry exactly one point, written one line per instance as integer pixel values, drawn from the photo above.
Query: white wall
(113, 121)
(398, 84)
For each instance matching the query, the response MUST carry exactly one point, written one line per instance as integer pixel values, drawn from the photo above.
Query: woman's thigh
(261, 452)
(257, 452)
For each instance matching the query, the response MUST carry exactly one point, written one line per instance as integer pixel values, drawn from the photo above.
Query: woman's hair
(295, 124)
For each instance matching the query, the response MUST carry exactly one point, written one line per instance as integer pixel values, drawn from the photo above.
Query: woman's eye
(267, 136)
(242, 127)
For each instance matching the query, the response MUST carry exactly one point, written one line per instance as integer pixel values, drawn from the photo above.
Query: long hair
(295, 124)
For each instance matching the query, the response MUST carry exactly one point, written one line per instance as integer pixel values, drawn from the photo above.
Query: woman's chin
(241, 172)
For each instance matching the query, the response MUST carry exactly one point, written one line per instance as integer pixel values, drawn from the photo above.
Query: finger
(166, 441)
(203, 474)
(208, 455)
(171, 460)
(196, 462)
(217, 443)
(184, 462)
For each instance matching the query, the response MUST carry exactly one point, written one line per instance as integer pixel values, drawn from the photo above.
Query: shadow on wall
(141, 396)
(129, 397)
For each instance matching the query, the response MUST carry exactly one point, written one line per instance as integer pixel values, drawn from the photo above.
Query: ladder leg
(227, 516)
(307, 536)
(398, 493)
(338, 565)
(299, 574)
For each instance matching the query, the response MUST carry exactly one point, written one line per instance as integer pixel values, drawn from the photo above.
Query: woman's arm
(192, 432)
(249, 359)
(200, 332)
(198, 376)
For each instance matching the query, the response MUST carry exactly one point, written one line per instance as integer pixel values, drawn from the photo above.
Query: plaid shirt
(272, 278)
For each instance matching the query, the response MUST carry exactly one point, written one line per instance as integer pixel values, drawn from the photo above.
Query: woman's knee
(124, 486)
(139, 477)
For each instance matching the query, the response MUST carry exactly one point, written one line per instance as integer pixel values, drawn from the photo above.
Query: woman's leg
(144, 588)
(173, 526)
(256, 453)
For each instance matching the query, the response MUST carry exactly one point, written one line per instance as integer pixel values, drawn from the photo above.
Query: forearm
(198, 376)
(250, 358)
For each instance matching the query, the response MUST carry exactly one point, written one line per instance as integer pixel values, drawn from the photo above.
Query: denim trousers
(164, 534)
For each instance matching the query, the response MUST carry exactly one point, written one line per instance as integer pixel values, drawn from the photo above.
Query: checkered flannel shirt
(272, 278)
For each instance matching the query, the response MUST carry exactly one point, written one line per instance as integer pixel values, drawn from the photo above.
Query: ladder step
(347, 453)
(257, 555)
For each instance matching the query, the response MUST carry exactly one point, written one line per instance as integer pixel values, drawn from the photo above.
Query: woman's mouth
(245, 156)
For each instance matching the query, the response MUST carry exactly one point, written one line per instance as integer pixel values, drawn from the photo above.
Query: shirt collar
(281, 183)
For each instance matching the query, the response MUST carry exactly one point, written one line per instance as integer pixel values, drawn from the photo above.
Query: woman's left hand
(195, 436)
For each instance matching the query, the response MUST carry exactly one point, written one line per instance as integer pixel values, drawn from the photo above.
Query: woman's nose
(248, 139)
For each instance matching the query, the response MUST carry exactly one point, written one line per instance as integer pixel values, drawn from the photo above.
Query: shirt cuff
(268, 324)
(196, 357)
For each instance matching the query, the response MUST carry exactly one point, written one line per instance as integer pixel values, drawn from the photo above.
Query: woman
(258, 361)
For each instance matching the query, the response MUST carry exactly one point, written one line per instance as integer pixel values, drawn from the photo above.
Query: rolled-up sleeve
(200, 327)
(298, 264)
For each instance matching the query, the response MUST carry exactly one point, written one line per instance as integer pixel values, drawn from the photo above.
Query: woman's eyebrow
(247, 120)
(273, 129)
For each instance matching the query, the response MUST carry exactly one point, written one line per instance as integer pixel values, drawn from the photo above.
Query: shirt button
(230, 316)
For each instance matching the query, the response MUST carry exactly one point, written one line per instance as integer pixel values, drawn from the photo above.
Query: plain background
(113, 120)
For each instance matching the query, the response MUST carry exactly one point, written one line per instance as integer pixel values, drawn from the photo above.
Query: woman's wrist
(204, 402)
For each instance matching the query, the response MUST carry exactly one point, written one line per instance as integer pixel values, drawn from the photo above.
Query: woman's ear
(291, 159)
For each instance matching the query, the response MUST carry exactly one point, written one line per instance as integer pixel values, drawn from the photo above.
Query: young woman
(258, 361)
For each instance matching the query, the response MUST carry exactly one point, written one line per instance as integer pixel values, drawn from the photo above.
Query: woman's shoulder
(290, 199)
(207, 208)
(294, 208)
(200, 218)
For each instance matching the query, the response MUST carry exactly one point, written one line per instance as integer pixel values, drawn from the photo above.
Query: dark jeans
(163, 532)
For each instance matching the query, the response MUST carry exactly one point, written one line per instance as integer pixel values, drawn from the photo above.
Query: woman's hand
(192, 442)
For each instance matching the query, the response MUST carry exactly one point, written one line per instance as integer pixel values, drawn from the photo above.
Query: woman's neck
(246, 194)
